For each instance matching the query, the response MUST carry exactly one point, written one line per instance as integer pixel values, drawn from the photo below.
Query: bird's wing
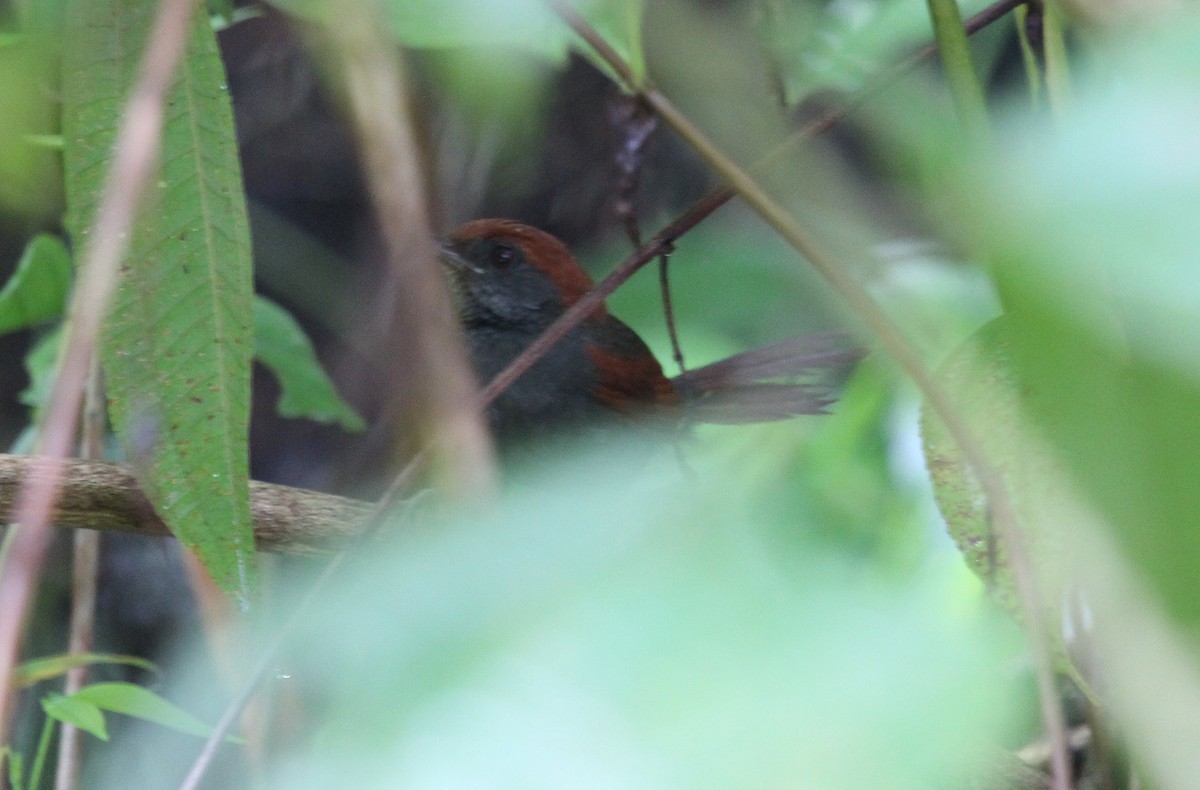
(629, 377)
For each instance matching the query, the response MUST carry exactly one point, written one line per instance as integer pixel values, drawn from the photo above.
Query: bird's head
(507, 274)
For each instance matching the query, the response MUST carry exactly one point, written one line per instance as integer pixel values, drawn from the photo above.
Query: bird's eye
(502, 256)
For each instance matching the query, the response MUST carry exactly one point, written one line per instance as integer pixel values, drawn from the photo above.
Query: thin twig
(664, 286)
(84, 572)
(134, 159)
(890, 336)
(423, 328)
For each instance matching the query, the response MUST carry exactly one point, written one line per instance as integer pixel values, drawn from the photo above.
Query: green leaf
(281, 345)
(178, 342)
(981, 377)
(619, 23)
(37, 290)
(1093, 240)
(40, 363)
(518, 25)
(133, 700)
(78, 712)
(16, 767)
(40, 669)
(624, 619)
(30, 180)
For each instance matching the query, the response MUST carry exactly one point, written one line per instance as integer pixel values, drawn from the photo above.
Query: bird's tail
(783, 380)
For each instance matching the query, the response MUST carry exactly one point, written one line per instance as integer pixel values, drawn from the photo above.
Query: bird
(510, 281)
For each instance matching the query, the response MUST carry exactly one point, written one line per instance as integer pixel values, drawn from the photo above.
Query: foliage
(779, 611)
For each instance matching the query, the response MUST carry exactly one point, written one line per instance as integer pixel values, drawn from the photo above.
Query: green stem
(1033, 69)
(43, 750)
(964, 85)
(1058, 73)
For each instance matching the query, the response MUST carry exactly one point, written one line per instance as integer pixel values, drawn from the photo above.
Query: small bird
(511, 281)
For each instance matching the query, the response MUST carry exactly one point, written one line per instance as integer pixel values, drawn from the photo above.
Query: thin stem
(85, 569)
(42, 752)
(910, 360)
(664, 285)
(1058, 70)
(960, 70)
(1030, 16)
(423, 332)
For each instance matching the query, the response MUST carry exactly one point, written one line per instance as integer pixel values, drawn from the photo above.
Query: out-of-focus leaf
(178, 342)
(281, 345)
(40, 669)
(1093, 234)
(30, 177)
(37, 290)
(133, 700)
(78, 712)
(619, 23)
(526, 25)
(842, 46)
(981, 380)
(16, 767)
(617, 624)
(1151, 668)
(40, 363)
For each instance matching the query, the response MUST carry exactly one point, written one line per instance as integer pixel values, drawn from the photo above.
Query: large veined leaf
(177, 345)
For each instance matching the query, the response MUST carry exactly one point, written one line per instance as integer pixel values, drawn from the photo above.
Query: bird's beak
(453, 260)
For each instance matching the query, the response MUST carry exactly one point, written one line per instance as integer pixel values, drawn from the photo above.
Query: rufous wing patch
(630, 384)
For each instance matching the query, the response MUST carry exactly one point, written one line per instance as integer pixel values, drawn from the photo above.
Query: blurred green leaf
(981, 379)
(1152, 668)
(766, 293)
(496, 24)
(16, 767)
(220, 9)
(37, 670)
(40, 362)
(1093, 234)
(619, 23)
(178, 341)
(281, 345)
(77, 712)
(37, 290)
(618, 622)
(133, 700)
(842, 46)
(30, 176)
